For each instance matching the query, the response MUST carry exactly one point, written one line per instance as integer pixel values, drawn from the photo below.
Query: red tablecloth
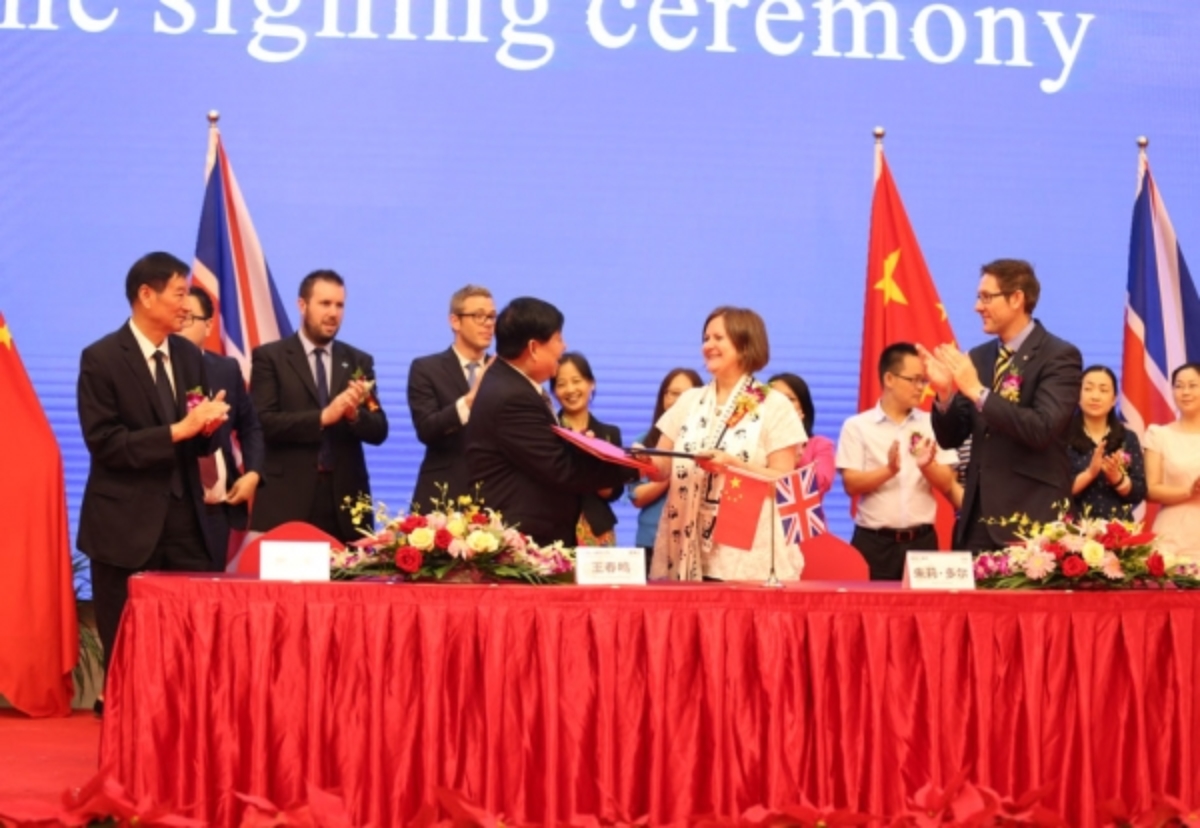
(543, 703)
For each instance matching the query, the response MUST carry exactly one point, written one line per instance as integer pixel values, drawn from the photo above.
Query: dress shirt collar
(1017, 341)
(309, 346)
(881, 416)
(147, 347)
(536, 385)
(465, 361)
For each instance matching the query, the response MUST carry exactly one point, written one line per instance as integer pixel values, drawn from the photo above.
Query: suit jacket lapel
(299, 362)
(140, 369)
(454, 373)
(1029, 348)
(341, 370)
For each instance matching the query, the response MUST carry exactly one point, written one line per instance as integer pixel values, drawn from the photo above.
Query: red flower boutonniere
(194, 397)
(1010, 387)
(747, 402)
(370, 402)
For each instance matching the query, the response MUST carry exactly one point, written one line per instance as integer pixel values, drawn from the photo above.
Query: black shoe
(98, 708)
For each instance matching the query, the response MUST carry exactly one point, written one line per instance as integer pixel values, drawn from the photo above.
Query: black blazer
(285, 397)
(224, 374)
(435, 384)
(594, 507)
(129, 478)
(527, 472)
(1019, 457)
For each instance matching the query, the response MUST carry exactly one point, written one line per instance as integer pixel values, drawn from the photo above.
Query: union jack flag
(798, 502)
(230, 265)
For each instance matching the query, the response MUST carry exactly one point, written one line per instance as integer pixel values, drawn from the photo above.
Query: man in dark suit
(526, 471)
(146, 419)
(317, 403)
(1014, 397)
(227, 491)
(441, 391)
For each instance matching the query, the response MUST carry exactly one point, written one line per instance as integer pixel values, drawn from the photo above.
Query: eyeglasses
(986, 298)
(189, 319)
(479, 317)
(919, 382)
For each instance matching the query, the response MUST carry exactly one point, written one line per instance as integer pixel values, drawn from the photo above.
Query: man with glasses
(880, 457)
(227, 491)
(1013, 396)
(441, 391)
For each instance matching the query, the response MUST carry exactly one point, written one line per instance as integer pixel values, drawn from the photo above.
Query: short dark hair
(1014, 275)
(747, 332)
(1076, 435)
(581, 364)
(800, 389)
(306, 284)
(206, 302)
(525, 319)
(893, 357)
(153, 270)
(1187, 366)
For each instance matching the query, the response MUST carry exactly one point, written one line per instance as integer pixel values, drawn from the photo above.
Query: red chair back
(829, 558)
(248, 562)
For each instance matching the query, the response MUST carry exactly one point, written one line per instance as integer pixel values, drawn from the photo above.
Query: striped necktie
(1003, 360)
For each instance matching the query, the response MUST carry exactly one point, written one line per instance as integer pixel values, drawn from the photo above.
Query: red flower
(1115, 535)
(1156, 566)
(1073, 566)
(1056, 549)
(480, 519)
(442, 539)
(409, 558)
(412, 522)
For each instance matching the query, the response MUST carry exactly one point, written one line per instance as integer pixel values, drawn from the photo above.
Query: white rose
(479, 541)
(421, 538)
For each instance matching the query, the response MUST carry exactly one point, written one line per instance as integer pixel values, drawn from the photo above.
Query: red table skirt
(543, 703)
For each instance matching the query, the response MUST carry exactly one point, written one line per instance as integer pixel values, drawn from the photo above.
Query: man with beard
(317, 402)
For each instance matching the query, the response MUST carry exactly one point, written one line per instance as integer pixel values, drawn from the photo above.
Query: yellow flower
(456, 526)
(1093, 553)
(421, 538)
(479, 541)
(464, 500)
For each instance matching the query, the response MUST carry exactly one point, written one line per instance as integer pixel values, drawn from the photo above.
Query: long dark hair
(800, 388)
(1078, 438)
(659, 407)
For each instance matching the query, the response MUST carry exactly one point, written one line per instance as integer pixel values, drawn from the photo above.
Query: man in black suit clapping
(316, 399)
(441, 391)
(227, 491)
(527, 472)
(146, 416)
(1013, 396)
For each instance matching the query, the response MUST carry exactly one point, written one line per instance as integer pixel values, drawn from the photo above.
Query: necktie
(472, 371)
(1003, 361)
(549, 405)
(170, 412)
(325, 452)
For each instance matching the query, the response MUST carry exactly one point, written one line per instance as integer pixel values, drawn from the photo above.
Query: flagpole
(214, 138)
(1143, 160)
(878, 132)
(773, 579)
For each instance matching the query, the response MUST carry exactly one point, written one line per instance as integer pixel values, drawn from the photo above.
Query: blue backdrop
(636, 162)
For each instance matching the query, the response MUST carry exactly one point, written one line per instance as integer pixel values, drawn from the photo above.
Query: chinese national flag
(39, 639)
(901, 305)
(742, 500)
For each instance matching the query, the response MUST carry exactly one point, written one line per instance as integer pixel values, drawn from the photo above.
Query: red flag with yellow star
(39, 636)
(902, 303)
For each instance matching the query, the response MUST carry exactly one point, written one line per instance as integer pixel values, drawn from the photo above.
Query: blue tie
(472, 367)
(325, 452)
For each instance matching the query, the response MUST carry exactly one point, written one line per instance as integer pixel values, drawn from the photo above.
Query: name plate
(610, 565)
(293, 561)
(939, 570)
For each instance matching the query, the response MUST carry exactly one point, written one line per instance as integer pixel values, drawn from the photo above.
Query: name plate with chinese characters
(293, 561)
(610, 565)
(939, 570)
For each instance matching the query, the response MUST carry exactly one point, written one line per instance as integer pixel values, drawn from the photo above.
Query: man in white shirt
(878, 456)
(441, 391)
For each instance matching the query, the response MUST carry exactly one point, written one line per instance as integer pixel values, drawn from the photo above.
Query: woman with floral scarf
(732, 423)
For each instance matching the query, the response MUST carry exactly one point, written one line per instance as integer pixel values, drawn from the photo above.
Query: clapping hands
(949, 369)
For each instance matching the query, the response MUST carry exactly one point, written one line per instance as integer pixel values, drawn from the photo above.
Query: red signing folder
(603, 449)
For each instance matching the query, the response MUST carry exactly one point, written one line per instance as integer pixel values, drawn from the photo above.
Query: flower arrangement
(747, 402)
(1082, 553)
(459, 540)
(1010, 386)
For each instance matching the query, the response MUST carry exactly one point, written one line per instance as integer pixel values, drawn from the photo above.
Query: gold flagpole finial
(213, 117)
(878, 132)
